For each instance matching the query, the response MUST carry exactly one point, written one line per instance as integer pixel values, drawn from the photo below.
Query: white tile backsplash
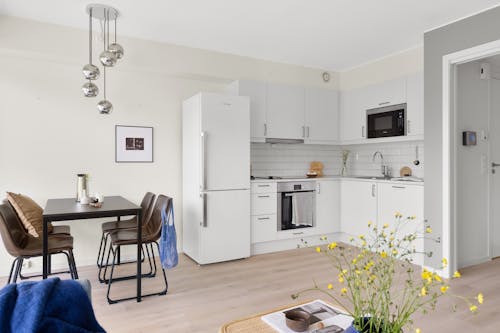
(293, 159)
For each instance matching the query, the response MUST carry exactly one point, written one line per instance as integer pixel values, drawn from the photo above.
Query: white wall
(472, 167)
(49, 131)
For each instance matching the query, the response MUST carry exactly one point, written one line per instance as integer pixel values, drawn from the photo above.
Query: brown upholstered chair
(22, 245)
(107, 227)
(151, 233)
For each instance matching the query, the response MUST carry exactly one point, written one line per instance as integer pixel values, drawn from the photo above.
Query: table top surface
(69, 208)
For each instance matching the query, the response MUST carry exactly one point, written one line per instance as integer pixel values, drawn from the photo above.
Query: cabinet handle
(263, 196)
(303, 131)
(402, 187)
(408, 130)
(384, 103)
(297, 233)
(373, 190)
(362, 131)
(265, 129)
(263, 185)
(262, 218)
(205, 223)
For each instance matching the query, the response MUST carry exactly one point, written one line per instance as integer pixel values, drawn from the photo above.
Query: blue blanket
(52, 305)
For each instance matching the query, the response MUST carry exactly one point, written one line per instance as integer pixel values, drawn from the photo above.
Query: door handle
(401, 187)
(408, 130)
(362, 131)
(204, 161)
(205, 222)
(373, 190)
(263, 218)
(263, 185)
(263, 196)
(494, 165)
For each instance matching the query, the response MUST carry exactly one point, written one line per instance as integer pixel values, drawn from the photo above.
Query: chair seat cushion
(61, 230)
(34, 246)
(129, 237)
(29, 212)
(115, 225)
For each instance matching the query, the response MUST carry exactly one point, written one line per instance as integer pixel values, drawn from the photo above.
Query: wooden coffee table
(254, 324)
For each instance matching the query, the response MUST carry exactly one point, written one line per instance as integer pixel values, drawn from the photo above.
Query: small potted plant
(366, 274)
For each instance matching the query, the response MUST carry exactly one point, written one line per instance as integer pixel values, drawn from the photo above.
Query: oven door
(296, 210)
(386, 122)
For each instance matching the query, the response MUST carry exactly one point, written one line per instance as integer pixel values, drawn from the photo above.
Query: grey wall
(475, 30)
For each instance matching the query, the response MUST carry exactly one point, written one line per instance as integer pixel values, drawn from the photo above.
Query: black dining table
(68, 209)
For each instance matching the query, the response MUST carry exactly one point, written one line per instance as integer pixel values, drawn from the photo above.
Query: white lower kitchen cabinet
(263, 208)
(409, 201)
(358, 206)
(327, 206)
(264, 228)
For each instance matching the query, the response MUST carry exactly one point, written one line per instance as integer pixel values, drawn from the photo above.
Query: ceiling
(329, 34)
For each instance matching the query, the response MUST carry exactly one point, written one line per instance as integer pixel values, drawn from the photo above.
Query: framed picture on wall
(134, 144)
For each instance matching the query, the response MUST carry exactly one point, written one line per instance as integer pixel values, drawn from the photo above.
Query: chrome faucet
(383, 168)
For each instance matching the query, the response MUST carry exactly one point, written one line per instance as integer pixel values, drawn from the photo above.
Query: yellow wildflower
(391, 238)
(428, 230)
(386, 225)
(362, 237)
(370, 223)
(344, 271)
(394, 252)
(437, 278)
(418, 330)
(341, 279)
(445, 262)
(318, 249)
(444, 289)
(413, 217)
(322, 238)
(351, 239)
(331, 246)
(383, 254)
(354, 261)
(457, 275)
(363, 243)
(330, 286)
(423, 291)
(343, 291)
(480, 298)
(473, 308)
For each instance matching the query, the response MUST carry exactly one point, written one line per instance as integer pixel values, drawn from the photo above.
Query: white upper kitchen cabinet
(386, 93)
(353, 115)
(321, 116)
(327, 206)
(409, 201)
(358, 206)
(415, 105)
(285, 111)
(257, 91)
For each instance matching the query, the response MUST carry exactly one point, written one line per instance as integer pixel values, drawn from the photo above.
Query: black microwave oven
(386, 121)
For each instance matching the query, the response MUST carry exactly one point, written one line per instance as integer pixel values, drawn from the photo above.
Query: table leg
(118, 253)
(139, 251)
(45, 249)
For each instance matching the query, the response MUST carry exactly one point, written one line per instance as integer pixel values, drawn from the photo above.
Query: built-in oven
(386, 121)
(296, 203)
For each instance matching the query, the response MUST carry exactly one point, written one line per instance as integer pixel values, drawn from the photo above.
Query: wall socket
(27, 263)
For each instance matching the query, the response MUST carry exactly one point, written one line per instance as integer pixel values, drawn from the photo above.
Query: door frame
(449, 147)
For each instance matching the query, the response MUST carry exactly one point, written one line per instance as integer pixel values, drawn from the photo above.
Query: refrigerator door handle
(203, 161)
(205, 223)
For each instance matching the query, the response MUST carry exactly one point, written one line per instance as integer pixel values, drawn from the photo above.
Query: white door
(495, 177)
(321, 115)
(407, 200)
(353, 115)
(225, 142)
(415, 104)
(358, 206)
(225, 232)
(327, 206)
(285, 111)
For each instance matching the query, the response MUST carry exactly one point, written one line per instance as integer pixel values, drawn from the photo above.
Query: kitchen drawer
(264, 204)
(264, 187)
(264, 228)
(297, 233)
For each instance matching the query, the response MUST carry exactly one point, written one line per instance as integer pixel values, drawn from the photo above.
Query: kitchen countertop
(356, 178)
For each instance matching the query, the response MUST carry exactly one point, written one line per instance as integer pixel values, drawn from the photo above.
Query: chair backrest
(153, 228)
(12, 231)
(147, 206)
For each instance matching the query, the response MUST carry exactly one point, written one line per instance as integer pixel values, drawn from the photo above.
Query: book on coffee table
(313, 317)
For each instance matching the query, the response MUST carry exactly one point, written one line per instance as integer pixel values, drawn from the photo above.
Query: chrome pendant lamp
(108, 57)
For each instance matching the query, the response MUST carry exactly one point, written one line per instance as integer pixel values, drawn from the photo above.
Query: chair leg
(110, 281)
(18, 269)
(12, 270)
(153, 258)
(102, 278)
(164, 274)
(73, 265)
(70, 266)
(119, 255)
(101, 250)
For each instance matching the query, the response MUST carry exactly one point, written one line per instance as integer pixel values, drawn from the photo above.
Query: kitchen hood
(288, 141)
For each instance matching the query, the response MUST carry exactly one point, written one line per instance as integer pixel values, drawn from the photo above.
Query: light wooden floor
(201, 299)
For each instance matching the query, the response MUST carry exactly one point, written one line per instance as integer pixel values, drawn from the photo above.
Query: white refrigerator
(216, 177)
